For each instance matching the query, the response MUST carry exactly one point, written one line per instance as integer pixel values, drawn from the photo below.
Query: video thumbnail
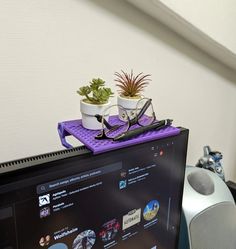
(84, 240)
(109, 230)
(151, 210)
(132, 218)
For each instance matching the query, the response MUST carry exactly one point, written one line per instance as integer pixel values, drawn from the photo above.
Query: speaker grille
(215, 228)
(201, 182)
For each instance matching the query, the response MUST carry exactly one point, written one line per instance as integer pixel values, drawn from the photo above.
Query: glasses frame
(131, 122)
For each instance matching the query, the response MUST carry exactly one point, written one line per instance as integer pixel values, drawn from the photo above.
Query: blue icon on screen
(122, 184)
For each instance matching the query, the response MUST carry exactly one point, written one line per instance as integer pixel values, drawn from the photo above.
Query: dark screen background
(163, 162)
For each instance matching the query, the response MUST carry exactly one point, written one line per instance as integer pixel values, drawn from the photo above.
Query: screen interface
(129, 198)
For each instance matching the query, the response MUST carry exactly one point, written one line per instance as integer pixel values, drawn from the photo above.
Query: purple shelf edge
(85, 136)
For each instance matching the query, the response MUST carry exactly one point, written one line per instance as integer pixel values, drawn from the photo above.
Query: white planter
(88, 112)
(129, 105)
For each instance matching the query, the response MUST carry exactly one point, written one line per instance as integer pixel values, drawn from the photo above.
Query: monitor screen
(125, 199)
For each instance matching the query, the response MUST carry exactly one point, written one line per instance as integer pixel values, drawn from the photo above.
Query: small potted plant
(95, 101)
(130, 88)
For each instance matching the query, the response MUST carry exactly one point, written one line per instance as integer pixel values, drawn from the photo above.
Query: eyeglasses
(113, 127)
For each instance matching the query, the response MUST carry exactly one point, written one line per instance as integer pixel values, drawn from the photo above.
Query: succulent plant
(95, 92)
(131, 85)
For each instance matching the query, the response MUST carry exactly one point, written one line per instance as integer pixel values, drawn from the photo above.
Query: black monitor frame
(39, 169)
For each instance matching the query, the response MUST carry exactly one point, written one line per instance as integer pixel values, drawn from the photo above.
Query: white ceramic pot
(88, 112)
(129, 105)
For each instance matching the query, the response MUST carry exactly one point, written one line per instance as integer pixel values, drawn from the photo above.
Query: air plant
(131, 85)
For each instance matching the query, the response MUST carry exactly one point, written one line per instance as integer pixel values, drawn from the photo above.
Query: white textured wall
(215, 18)
(48, 49)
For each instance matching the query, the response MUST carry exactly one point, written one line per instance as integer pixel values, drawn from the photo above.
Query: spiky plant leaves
(131, 85)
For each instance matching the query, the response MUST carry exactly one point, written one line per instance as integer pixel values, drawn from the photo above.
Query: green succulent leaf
(96, 93)
(95, 84)
(84, 90)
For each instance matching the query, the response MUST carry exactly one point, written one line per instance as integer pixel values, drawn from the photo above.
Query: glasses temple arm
(100, 118)
(142, 111)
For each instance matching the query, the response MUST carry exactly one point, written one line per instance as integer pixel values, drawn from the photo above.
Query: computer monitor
(128, 198)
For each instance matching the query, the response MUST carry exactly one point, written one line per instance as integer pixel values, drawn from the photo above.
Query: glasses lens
(144, 107)
(111, 123)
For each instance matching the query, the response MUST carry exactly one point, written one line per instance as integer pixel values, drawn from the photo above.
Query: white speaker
(208, 212)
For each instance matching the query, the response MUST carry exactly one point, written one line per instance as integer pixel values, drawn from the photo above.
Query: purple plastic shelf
(87, 137)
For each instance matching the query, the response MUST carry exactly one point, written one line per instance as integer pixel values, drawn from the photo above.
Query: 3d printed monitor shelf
(87, 137)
